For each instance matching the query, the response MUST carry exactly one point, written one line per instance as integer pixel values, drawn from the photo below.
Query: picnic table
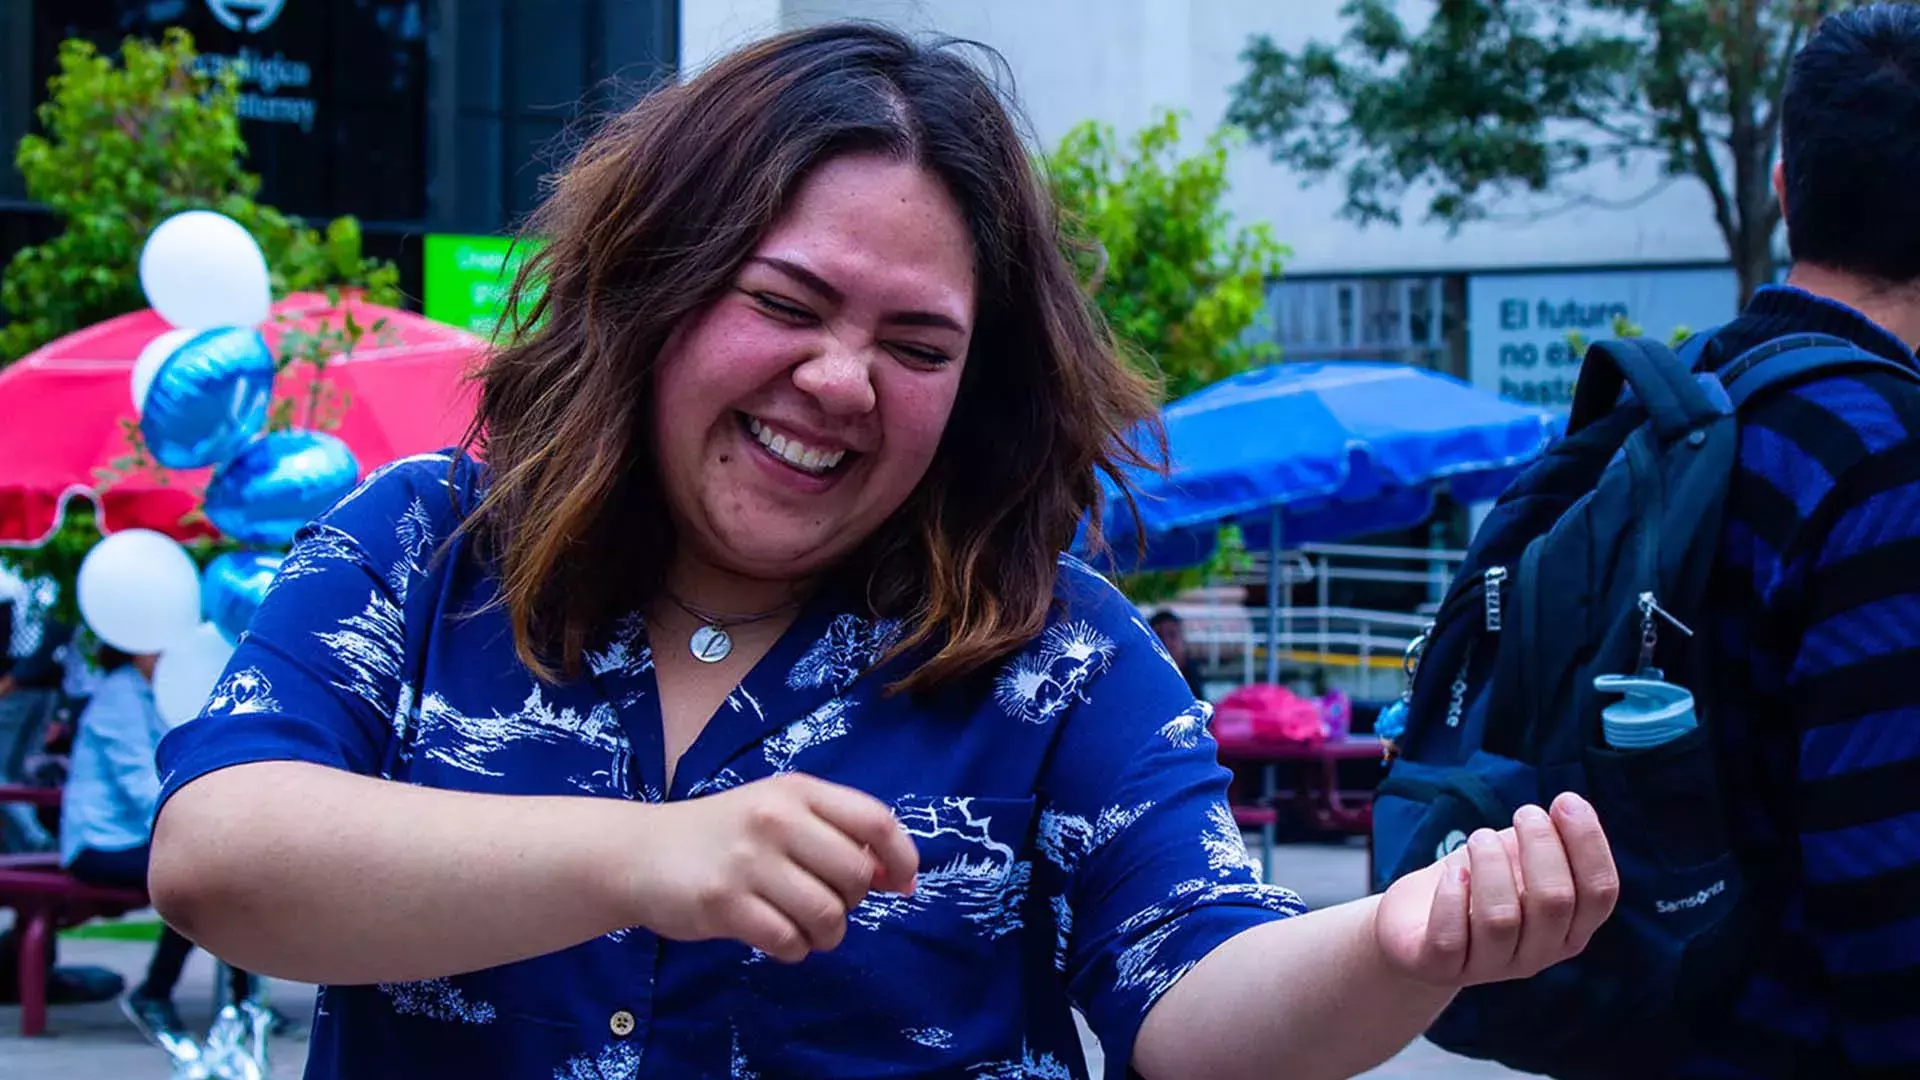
(1315, 796)
(46, 899)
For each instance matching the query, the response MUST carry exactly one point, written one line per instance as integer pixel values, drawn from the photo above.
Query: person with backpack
(1702, 609)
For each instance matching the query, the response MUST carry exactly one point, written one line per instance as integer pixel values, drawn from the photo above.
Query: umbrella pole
(1273, 598)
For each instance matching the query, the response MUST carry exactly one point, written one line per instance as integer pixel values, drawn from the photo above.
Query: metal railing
(1229, 637)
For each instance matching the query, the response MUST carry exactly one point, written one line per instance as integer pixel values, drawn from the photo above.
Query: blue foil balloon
(277, 483)
(235, 584)
(208, 398)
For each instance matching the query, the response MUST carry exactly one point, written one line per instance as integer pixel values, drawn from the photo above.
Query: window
(1397, 318)
(530, 78)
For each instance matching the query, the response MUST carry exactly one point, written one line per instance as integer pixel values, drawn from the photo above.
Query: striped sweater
(1815, 603)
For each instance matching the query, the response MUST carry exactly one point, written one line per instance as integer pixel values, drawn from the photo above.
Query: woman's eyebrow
(817, 284)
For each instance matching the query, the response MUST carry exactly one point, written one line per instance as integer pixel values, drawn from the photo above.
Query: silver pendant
(710, 645)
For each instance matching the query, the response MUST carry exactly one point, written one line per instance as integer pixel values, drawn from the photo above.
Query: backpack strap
(1790, 359)
(1661, 381)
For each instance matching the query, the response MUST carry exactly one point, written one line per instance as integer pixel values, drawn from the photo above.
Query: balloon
(278, 483)
(186, 672)
(208, 398)
(138, 591)
(200, 270)
(151, 357)
(234, 586)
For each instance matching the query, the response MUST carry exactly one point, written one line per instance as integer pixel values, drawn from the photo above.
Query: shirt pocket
(921, 982)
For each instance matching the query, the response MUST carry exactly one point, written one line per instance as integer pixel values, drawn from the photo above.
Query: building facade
(436, 121)
(420, 117)
(1492, 301)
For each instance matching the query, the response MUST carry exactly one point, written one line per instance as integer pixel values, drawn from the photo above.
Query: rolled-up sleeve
(1156, 873)
(318, 675)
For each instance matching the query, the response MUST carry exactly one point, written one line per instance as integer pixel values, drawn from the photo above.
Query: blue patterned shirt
(1076, 848)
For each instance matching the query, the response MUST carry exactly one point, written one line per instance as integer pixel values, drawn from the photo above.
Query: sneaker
(278, 1023)
(160, 1023)
(254, 1002)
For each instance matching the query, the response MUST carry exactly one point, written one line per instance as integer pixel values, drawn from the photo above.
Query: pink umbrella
(64, 411)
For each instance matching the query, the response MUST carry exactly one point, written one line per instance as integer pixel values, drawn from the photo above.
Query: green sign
(468, 279)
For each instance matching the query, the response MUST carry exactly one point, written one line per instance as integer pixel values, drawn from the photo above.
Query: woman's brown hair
(651, 223)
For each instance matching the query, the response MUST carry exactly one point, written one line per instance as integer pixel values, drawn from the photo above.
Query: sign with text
(467, 279)
(1520, 326)
(332, 96)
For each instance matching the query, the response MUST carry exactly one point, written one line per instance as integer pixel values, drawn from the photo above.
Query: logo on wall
(246, 16)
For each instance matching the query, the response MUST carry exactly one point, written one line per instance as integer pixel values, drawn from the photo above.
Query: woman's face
(798, 412)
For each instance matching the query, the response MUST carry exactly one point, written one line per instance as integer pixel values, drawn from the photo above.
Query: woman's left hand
(1505, 905)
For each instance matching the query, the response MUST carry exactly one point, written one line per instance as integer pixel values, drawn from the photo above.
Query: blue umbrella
(1308, 452)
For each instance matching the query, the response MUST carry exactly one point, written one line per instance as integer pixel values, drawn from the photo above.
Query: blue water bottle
(1653, 713)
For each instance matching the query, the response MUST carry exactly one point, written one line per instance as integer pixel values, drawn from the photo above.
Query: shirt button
(621, 1023)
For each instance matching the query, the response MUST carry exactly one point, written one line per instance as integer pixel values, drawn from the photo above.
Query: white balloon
(200, 270)
(151, 357)
(138, 591)
(187, 672)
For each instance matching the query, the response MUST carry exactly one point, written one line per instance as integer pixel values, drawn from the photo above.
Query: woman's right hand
(776, 864)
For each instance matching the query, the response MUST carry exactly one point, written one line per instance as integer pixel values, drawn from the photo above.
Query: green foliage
(59, 558)
(125, 146)
(1624, 327)
(1490, 98)
(1178, 280)
(1229, 560)
(324, 403)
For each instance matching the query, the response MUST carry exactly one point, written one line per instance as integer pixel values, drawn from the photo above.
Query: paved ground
(96, 1043)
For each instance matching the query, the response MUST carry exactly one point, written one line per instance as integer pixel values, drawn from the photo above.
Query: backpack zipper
(1493, 600)
(1650, 632)
(1496, 578)
(1492, 585)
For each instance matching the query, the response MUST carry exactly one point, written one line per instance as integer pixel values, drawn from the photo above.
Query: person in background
(1815, 595)
(1172, 632)
(106, 817)
(52, 665)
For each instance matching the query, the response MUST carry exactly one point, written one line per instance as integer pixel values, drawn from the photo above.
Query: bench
(1316, 798)
(45, 900)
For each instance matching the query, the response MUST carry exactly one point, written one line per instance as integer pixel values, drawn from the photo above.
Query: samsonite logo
(1688, 903)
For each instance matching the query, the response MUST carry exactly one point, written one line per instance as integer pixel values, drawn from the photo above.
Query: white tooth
(810, 460)
(834, 459)
(754, 425)
(778, 445)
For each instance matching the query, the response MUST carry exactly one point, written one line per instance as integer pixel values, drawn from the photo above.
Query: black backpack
(1595, 562)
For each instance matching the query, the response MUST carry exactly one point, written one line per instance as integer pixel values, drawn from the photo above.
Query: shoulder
(391, 525)
(1095, 650)
(1809, 451)
(1088, 599)
(1085, 594)
(441, 485)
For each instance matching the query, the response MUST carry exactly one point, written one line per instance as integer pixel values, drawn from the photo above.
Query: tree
(127, 146)
(1491, 97)
(1181, 283)
(1178, 280)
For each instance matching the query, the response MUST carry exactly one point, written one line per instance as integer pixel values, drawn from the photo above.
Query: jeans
(128, 868)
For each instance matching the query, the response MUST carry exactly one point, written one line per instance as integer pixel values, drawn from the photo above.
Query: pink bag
(1269, 714)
